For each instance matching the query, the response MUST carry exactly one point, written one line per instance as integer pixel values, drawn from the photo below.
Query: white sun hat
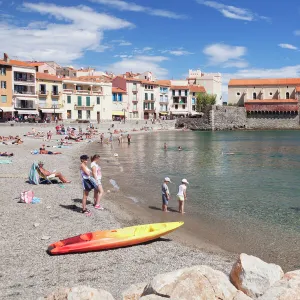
(184, 181)
(168, 179)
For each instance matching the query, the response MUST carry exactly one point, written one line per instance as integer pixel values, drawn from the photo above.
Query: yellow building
(50, 100)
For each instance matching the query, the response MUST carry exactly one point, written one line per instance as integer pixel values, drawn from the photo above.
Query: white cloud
(226, 55)
(288, 46)
(139, 64)
(123, 55)
(77, 29)
(142, 50)
(233, 12)
(130, 6)
(122, 42)
(178, 52)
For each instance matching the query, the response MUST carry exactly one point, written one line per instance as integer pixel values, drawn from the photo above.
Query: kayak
(110, 239)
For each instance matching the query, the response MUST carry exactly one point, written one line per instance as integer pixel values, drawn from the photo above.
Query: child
(96, 171)
(88, 182)
(165, 194)
(181, 195)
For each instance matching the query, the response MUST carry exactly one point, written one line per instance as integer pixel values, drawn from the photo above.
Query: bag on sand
(26, 196)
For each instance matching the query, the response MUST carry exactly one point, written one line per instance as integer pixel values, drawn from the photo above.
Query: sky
(238, 38)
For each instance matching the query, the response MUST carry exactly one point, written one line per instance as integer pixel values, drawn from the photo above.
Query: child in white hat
(181, 195)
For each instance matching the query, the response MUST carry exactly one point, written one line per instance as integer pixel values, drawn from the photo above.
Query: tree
(204, 100)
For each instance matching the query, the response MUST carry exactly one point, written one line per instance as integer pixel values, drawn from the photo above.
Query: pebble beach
(29, 272)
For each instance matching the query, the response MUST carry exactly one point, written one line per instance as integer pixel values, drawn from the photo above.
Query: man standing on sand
(129, 138)
(181, 195)
(165, 194)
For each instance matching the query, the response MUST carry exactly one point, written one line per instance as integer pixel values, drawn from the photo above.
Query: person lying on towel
(6, 154)
(44, 151)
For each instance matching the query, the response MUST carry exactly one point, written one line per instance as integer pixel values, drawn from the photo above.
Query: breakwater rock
(250, 278)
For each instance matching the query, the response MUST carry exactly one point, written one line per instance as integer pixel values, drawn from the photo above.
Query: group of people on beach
(181, 195)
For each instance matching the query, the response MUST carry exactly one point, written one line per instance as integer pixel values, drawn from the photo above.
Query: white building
(24, 96)
(212, 82)
(84, 100)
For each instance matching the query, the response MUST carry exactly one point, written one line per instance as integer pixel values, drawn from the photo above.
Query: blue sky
(237, 38)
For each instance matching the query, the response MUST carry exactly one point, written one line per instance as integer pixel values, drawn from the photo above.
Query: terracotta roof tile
(264, 82)
(118, 90)
(163, 82)
(16, 63)
(149, 82)
(45, 76)
(197, 89)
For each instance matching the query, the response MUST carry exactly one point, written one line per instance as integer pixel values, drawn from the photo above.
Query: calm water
(244, 186)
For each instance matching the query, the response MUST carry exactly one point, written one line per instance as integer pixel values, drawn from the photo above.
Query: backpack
(26, 196)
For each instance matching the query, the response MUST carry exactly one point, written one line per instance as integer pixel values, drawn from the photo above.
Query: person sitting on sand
(44, 151)
(6, 154)
(52, 174)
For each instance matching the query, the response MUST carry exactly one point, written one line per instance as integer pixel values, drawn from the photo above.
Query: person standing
(96, 171)
(181, 195)
(165, 146)
(129, 138)
(165, 194)
(101, 138)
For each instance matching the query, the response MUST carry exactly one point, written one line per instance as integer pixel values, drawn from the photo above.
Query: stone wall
(273, 122)
(232, 117)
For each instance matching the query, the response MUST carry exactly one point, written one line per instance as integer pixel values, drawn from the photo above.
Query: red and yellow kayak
(110, 239)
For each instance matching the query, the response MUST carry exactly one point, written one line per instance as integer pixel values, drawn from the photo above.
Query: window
(2, 71)
(238, 94)
(179, 92)
(55, 102)
(43, 89)
(3, 99)
(114, 97)
(119, 97)
(69, 99)
(146, 96)
(194, 94)
(152, 106)
(186, 92)
(287, 95)
(54, 89)
(69, 114)
(80, 114)
(254, 96)
(98, 100)
(183, 106)
(64, 86)
(161, 99)
(145, 77)
(3, 85)
(176, 106)
(152, 96)
(173, 92)
(88, 101)
(193, 101)
(42, 102)
(88, 114)
(79, 102)
(151, 87)
(193, 107)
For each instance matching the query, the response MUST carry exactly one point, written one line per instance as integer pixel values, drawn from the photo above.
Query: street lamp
(54, 106)
(124, 114)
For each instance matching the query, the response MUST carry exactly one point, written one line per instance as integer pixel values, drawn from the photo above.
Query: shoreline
(28, 229)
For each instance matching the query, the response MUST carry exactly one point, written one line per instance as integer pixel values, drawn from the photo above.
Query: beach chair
(43, 178)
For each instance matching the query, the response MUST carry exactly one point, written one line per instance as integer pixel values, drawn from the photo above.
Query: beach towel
(5, 161)
(33, 174)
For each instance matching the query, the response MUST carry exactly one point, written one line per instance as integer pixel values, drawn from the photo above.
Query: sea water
(244, 185)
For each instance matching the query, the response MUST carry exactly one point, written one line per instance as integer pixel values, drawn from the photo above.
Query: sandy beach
(28, 272)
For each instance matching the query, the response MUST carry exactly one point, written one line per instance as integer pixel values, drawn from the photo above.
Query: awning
(51, 110)
(27, 112)
(117, 113)
(163, 112)
(7, 109)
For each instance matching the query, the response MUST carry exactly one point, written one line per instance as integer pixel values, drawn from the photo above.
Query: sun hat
(184, 181)
(40, 163)
(168, 179)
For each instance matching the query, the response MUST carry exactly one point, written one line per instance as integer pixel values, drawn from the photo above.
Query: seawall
(236, 118)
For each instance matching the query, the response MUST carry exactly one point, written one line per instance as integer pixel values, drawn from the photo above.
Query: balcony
(82, 92)
(68, 91)
(99, 92)
(24, 78)
(55, 94)
(163, 101)
(25, 93)
(83, 107)
(149, 101)
(25, 104)
(135, 101)
(43, 93)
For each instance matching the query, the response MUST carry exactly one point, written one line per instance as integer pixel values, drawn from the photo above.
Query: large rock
(154, 297)
(241, 296)
(288, 288)
(79, 293)
(199, 282)
(254, 276)
(134, 292)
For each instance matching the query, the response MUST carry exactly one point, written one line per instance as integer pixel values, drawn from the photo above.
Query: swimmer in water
(179, 148)
(165, 146)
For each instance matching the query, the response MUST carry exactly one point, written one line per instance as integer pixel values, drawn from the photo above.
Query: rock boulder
(79, 293)
(253, 276)
(288, 288)
(199, 282)
(134, 292)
